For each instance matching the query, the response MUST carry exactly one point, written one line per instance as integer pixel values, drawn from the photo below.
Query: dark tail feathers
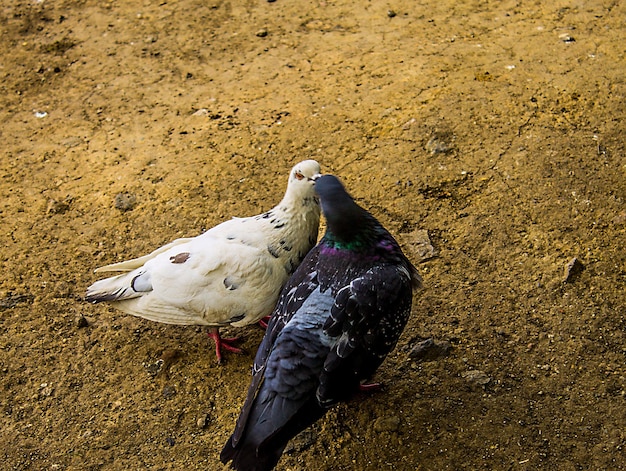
(246, 457)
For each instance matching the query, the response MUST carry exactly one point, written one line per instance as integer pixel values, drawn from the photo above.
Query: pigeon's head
(329, 189)
(345, 218)
(303, 176)
(337, 204)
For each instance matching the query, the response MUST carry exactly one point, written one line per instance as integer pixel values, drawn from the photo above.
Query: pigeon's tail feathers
(126, 265)
(246, 457)
(258, 451)
(246, 448)
(130, 265)
(119, 288)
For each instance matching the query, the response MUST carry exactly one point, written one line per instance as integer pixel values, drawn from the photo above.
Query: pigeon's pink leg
(264, 321)
(220, 343)
(369, 387)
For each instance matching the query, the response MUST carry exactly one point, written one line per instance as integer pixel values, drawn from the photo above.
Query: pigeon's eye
(299, 176)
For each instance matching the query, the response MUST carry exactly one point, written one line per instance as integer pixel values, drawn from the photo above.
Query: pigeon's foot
(221, 343)
(370, 387)
(264, 321)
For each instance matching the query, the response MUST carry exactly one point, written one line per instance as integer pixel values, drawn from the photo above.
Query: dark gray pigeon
(338, 317)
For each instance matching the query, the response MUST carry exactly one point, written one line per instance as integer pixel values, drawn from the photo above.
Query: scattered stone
(409, 124)
(168, 391)
(11, 300)
(421, 245)
(387, 424)
(170, 441)
(440, 143)
(81, 321)
(572, 270)
(476, 377)
(391, 13)
(168, 358)
(203, 421)
(430, 350)
(566, 38)
(483, 77)
(153, 368)
(125, 201)
(45, 390)
(58, 207)
(261, 33)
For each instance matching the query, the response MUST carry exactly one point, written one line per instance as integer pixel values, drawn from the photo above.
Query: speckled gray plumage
(337, 318)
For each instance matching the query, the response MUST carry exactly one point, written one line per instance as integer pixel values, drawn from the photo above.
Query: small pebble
(572, 270)
(421, 244)
(440, 142)
(153, 368)
(169, 357)
(168, 392)
(81, 322)
(391, 13)
(125, 201)
(203, 421)
(11, 300)
(261, 33)
(387, 424)
(57, 207)
(430, 350)
(406, 126)
(476, 376)
(45, 390)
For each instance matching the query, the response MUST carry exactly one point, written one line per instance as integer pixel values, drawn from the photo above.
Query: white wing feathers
(129, 265)
(231, 274)
(184, 282)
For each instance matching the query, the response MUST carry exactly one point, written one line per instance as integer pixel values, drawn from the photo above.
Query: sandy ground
(497, 127)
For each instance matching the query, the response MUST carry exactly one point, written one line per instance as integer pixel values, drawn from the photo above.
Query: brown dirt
(496, 126)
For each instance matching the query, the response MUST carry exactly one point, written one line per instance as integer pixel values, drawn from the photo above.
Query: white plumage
(231, 274)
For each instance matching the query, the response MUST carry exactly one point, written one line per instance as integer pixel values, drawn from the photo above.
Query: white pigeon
(231, 274)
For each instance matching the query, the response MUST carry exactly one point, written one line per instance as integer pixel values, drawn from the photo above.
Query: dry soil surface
(497, 127)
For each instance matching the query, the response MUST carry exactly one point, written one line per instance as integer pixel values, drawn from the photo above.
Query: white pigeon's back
(230, 275)
(229, 284)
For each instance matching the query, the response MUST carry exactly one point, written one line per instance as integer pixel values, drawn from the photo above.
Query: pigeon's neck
(291, 229)
(355, 243)
(349, 227)
(296, 201)
(301, 210)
